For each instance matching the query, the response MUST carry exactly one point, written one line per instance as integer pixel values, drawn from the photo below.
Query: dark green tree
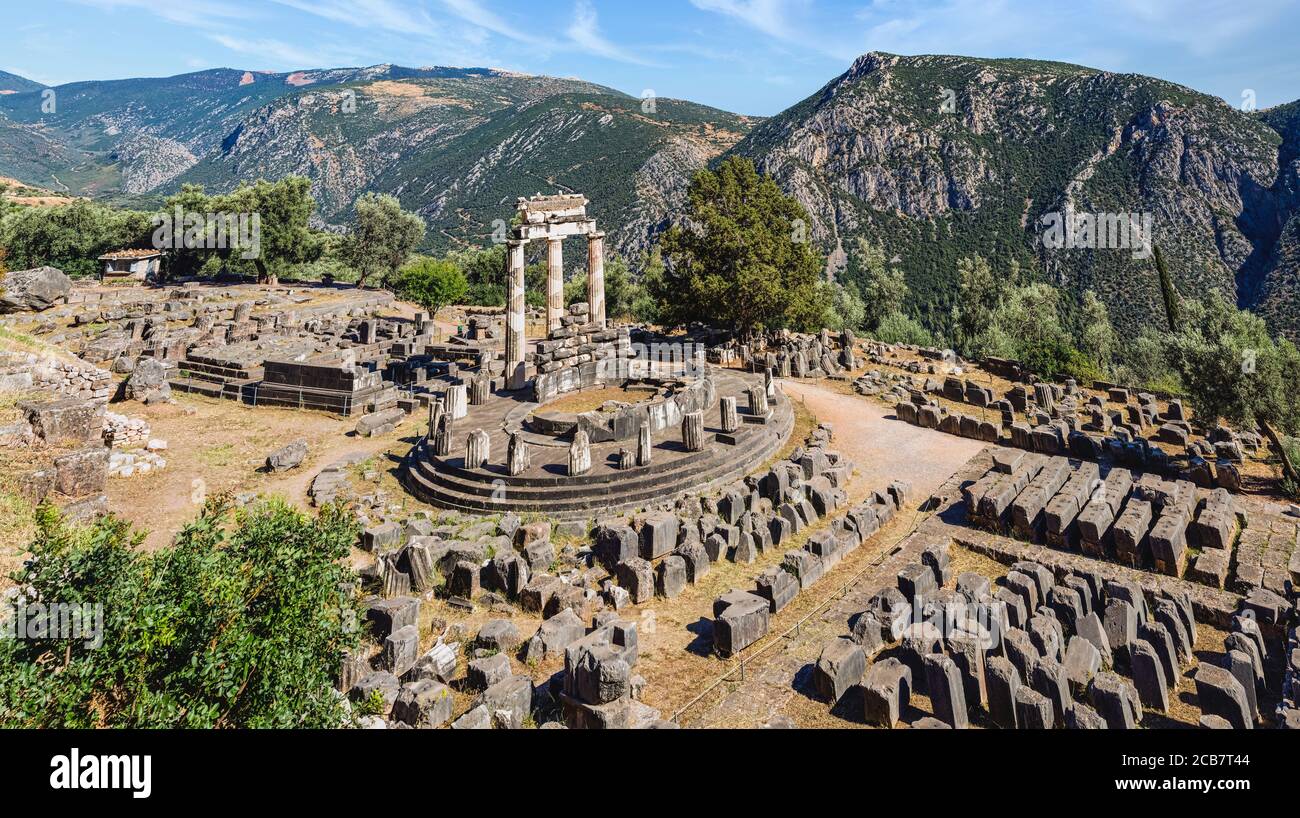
(1233, 370)
(743, 258)
(1168, 292)
(883, 287)
(70, 237)
(383, 237)
(432, 283)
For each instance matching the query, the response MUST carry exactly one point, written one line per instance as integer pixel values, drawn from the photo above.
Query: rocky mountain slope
(935, 157)
(878, 153)
(456, 145)
(14, 84)
(1276, 292)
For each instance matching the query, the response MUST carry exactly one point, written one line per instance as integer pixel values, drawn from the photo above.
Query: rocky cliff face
(456, 145)
(935, 157)
(940, 157)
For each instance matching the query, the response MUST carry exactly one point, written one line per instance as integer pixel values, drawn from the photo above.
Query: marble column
(644, 445)
(517, 456)
(515, 305)
(457, 401)
(693, 431)
(478, 449)
(435, 415)
(554, 283)
(442, 438)
(730, 414)
(480, 389)
(596, 278)
(579, 454)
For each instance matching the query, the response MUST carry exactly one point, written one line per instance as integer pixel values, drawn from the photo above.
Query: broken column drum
(478, 449)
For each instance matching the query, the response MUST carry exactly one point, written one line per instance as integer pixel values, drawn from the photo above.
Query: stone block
(840, 666)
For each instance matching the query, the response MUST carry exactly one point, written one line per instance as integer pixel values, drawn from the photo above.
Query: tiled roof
(128, 254)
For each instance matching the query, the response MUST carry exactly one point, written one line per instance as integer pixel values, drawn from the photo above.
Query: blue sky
(749, 56)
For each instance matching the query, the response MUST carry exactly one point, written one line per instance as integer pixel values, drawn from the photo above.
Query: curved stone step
(477, 492)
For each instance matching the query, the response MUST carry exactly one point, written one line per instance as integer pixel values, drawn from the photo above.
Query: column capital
(595, 235)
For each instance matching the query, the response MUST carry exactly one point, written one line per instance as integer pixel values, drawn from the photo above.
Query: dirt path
(676, 658)
(883, 449)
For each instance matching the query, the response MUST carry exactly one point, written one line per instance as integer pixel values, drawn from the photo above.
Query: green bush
(243, 622)
(897, 328)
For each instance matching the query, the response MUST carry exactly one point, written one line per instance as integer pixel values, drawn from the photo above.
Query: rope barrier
(840, 593)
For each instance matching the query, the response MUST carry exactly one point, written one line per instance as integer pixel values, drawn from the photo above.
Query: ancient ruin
(1081, 555)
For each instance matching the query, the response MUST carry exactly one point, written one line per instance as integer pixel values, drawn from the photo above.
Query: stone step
(579, 502)
(211, 389)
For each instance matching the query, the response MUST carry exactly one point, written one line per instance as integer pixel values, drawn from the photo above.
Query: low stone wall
(125, 432)
(569, 361)
(626, 423)
(49, 373)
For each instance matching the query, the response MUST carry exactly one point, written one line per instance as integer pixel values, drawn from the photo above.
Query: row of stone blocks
(1288, 714)
(597, 688)
(741, 618)
(933, 416)
(1067, 504)
(1034, 654)
(413, 558)
(1066, 436)
(663, 551)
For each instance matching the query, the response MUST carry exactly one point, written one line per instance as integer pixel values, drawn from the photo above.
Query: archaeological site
(339, 404)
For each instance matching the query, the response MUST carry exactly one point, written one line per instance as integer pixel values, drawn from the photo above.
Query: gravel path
(884, 449)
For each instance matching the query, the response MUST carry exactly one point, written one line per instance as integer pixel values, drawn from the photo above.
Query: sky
(748, 56)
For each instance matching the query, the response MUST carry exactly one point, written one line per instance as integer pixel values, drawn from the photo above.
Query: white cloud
(194, 13)
(278, 54)
(473, 12)
(785, 21)
(584, 32)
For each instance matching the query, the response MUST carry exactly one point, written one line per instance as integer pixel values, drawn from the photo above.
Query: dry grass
(682, 664)
(577, 403)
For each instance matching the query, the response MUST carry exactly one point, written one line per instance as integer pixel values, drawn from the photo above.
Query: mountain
(133, 136)
(1276, 293)
(935, 157)
(456, 145)
(14, 84)
(876, 153)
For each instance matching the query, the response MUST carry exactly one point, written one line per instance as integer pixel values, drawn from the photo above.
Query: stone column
(478, 448)
(769, 385)
(517, 455)
(579, 454)
(693, 431)
(730, 415)
(515, 305)
(435, 415)
(596, 278)
(442, 438)
(458, 401)
(554, 283)
(644, 445)
(758, 401)
(480, 389)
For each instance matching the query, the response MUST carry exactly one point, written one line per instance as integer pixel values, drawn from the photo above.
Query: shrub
(242, 622)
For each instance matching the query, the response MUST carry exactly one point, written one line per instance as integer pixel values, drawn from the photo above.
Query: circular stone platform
(547, 488)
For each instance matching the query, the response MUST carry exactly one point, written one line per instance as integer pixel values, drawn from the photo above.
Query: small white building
(130, 266)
